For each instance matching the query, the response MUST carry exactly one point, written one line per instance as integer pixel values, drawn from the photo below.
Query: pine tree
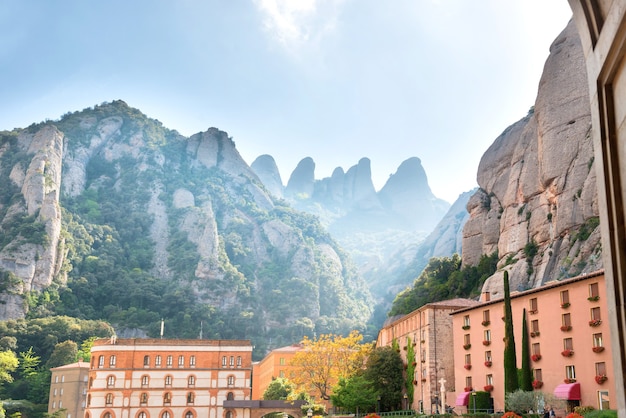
(510, 358)
(527, 373)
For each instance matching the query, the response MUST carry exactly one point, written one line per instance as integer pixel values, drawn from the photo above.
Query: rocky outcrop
(537, 204)
(265, 168)
(302, 181)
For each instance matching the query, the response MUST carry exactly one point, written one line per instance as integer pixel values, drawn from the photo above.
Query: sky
(334, 80)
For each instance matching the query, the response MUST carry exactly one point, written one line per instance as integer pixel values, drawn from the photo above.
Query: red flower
(595, 322)
(598, 349)
(566, 327)
(486, 342)
(536, 357)
(468, 389)
(537, 384)
(468, 366)
(567, 353)
(568, 380)
(488, 364)
(488, 388)
(601, 379)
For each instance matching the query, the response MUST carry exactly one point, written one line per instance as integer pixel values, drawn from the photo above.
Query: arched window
(191, 381)
(112, 361)
(143, 398)
(90, 382)
(109, 399)
(146, 361)
(188, 414)
(168, 380)
(165, 414)
(229, 414)
(230, 396)
(145, 380)
(142, 414)
(100, 362)
(167, 398)
(190, 397)
(107, 415)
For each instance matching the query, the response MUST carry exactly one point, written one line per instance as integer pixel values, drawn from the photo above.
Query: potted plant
(488, 388)
(536, 357)
(485, 323)
(466, 327)
(567, 353)
(598, 349)
(565, 305)
(568, 380)
(486, 342)
(566, 327)
(488, 363)
(534, 334)
(468, 389)
(601, 379)
(537, 384)
(595, 322)
(468, 366)
(593, 298)
(467, 346)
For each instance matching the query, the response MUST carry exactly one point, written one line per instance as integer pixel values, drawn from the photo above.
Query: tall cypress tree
(527, 373)
(510, 358)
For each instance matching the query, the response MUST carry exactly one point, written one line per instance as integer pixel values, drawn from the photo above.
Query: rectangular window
(231, 380)
(224, 361)
(191, 381)
(564, 298)
(146, 361)
(468, 383)
(169, 360)
(487, 335)
(489, 379)
(468, 359)
(538, 375)
(144, 381)
(566, 320)
(232, 361)
(535, 349)
(594, 291)
(533, 306)
(534, 327)
(281, 361)
(570, 372)
(192, 361)
(600, 369)
(281, 373)
(597, 340)
(466, 339)
(168, 380)
(466, 321)
(112, 360)
(486, 319)
(595, 314)
(157, 361)
(238, 361)
(487, 355)
(603, 399)
(181, 361)
(101, 362)
(568, 344)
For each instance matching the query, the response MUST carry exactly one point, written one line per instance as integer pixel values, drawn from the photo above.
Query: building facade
(68, 390)
(428, 330)
(569, 343)
(276, 364)
(157, 378)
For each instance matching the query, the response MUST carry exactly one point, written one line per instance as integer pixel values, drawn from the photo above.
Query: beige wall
(68, 390)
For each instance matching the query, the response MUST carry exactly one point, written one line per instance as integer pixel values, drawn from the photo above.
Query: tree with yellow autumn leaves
(322, 362)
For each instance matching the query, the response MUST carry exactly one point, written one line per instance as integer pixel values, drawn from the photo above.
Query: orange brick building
(429, 329)
(569, 342)
(156, 378)
(68, 390)
(276, 364)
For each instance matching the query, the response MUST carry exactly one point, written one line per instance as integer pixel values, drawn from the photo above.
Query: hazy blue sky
(336, 80)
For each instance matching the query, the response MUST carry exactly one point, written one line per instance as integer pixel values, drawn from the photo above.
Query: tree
(320, 363)
(384, 369)
(410, 370)
(354, 394)
(84, 353)
(63, 353)
(510, 359)
(278, 389)
(527, 373)
(8, 364)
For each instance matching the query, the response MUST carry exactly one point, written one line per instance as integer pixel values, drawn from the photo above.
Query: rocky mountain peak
(265, 168)
(302, 181)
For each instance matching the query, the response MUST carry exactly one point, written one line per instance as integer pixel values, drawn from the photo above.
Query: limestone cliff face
(141, 201)
(32, 252)
(537, 203)
(265, 167)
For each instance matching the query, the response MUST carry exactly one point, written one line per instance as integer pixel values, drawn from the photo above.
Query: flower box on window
(537, 384)
(466, 327)
(536, 357)
(567, 353)
(486, 342)
(488, 388)
(534, 334)
(601, 379)
(415, 382)
(488, 363)
(565, 305)
(468, 389)
(532, 312)
(468, 366)
(593, 298)
(598, 349)
(414, 364)
(467, 346)
(485, 323)
(595, 322)
(568, 380)
(566, 327)
(423, 379)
